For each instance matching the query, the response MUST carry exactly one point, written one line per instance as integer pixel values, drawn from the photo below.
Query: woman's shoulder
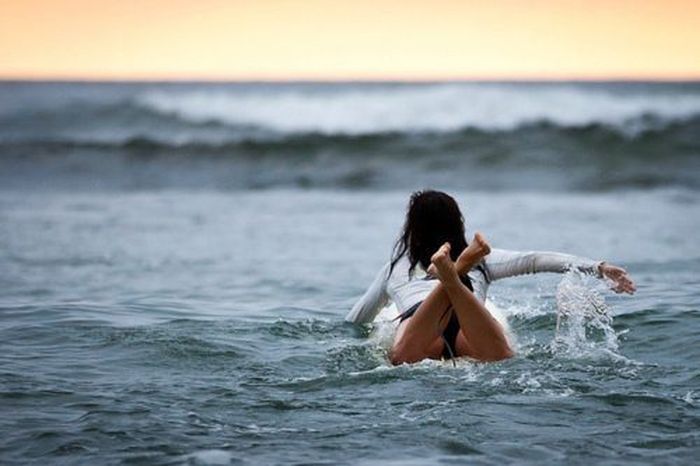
(401, 270)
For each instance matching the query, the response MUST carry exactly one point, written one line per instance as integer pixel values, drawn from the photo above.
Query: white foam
(357, 110)
(211, 457)
(691, 398)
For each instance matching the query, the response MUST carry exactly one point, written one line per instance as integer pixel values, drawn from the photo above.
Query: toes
(480, 245)
(443, 250)
(479, 238)
(441, 254)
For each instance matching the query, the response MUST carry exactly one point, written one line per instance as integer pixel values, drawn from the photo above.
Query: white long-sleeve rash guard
(407, 289)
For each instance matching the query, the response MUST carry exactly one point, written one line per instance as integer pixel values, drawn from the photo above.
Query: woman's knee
(396, 355)
(395, 358)
(400, 354)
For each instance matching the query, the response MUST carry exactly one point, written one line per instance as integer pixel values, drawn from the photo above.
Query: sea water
(176, 261)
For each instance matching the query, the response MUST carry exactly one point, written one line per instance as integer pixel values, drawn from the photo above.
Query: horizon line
(359, 80)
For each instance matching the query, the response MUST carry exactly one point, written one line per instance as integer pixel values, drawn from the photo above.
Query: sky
(349, 40)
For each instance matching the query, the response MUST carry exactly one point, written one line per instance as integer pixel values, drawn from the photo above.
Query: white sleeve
(374, 299)
(502, 263)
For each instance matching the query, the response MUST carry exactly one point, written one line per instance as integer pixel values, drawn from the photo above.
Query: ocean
(176, 260)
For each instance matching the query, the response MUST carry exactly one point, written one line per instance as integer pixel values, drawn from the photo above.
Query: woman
(439, 285)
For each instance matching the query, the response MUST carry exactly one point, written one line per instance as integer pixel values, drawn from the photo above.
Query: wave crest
(425, 108)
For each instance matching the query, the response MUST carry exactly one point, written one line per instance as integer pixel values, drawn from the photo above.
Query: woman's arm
(502, 263)
(374, 299)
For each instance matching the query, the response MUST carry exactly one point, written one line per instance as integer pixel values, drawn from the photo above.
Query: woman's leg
(484, 334)
(416, 335)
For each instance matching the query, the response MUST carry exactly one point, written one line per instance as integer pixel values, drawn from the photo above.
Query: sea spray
(584, 322)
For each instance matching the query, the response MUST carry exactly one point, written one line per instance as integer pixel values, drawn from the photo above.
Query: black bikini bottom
(449, 335)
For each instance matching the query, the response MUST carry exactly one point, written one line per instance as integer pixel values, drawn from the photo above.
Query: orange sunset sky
(354, 39)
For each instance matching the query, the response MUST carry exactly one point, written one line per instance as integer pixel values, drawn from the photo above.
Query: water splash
(584, 323)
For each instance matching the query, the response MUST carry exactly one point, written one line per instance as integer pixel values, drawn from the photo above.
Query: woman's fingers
(628, 283)
(623, 283)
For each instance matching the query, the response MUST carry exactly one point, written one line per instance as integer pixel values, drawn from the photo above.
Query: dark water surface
(181, 301)
(161, 328)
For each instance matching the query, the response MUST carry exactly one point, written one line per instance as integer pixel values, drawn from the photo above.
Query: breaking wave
(482, 135)
(430, 108)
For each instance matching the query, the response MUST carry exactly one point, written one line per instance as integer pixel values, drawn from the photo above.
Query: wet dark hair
(432, 218)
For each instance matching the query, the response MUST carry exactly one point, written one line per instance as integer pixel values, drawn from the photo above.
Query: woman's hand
(622, 281)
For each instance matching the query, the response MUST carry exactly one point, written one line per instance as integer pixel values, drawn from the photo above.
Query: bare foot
(443, 265)
(472, 255)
